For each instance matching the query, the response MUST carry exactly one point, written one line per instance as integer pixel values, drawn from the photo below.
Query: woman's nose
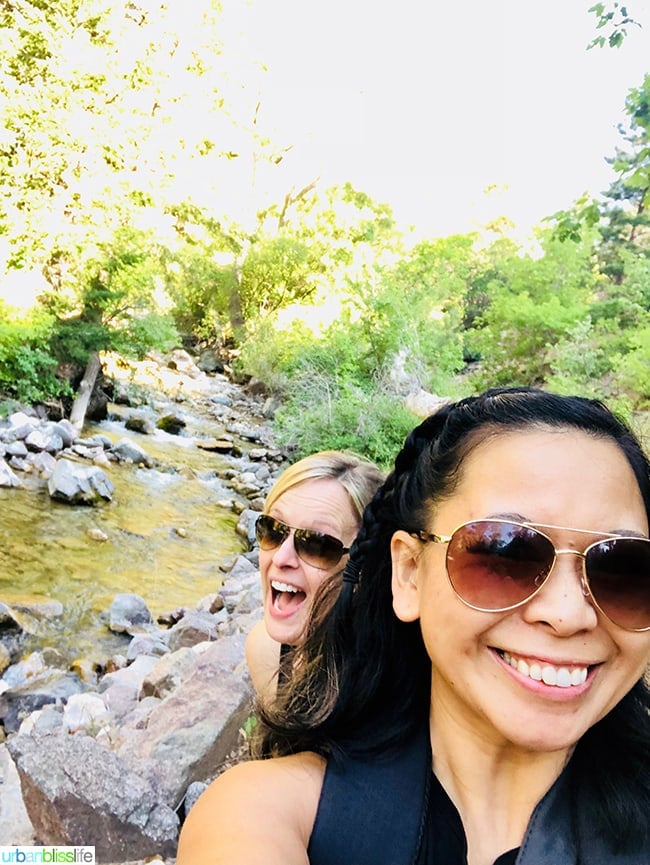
(286, 554)
(564, 601)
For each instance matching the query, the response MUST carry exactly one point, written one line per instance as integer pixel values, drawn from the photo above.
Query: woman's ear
(405, 551)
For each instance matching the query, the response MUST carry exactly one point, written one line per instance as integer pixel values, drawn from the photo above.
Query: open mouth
(286, 598)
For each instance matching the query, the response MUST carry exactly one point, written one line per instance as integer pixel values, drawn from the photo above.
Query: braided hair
(361, 679)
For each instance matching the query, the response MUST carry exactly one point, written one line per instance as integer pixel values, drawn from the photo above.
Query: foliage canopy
(135, 178)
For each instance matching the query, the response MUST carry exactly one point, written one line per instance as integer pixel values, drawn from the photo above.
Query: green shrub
(271, 355)
(578, 362)
(632, 371)
(317, 417)
(27, 366)
(142, 333)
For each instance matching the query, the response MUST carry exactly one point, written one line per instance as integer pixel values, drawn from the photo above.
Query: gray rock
(121, 700)
(79, 485)
(250, 601)
(243, 568)
(78, 792)
(44, 463)
(66, 431)
(129, 613)
(45, 720)
(246, 525)
(5, 657)
(243, 592)
(12, 619)
(222, 445)
(29, 667)
(20, 425)
(147, 644)
(213, 603)
(194, 730)
(17, 703)
(16, 449)
(15, 825)
(130, 677)
(168, 672)
(21, 464)
(127, 451)
(44, 440)
(196, 626)
(141, 423)
(7, 477)
(171, 423)
(192, 794)
(86, 712)
(209, 361)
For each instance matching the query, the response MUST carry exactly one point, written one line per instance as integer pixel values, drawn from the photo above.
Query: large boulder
(79, 485)
(78, 792)
(193, 731)
(115, 775)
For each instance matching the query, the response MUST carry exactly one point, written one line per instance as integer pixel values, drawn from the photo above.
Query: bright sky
(423, 104)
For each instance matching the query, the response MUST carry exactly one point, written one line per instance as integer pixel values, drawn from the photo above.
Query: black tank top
(444, 841)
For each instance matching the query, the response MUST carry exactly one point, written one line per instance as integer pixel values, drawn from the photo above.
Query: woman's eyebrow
(629, 533)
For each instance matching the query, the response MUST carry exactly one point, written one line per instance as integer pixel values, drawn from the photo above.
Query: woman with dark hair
(477, 693)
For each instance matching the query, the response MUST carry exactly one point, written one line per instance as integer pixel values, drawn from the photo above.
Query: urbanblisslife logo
(53, 855)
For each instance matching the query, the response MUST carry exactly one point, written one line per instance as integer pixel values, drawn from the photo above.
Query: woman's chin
(285, 630)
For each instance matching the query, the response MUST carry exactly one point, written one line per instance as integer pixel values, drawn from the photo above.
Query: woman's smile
(560, 681)
(538, 675)
(286, 598)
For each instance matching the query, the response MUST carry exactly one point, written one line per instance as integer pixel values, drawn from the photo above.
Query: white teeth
(283, 587)
(579, 675)
(549, 675)
(560, 677)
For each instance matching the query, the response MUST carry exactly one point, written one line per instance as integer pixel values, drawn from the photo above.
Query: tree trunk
(235, 312)
(80, 405)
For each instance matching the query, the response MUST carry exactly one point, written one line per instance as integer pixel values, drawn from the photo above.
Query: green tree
(614, 18)
(411, 312)
(110, 116)
(533, 304)
(27, 366)
(625, 223)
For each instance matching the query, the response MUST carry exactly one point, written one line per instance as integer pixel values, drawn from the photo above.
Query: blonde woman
(310, 518)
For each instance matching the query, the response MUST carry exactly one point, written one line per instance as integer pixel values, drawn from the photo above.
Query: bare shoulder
(263, 658)
(259, 812)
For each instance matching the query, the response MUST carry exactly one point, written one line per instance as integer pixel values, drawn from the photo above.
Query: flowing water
(168, 529)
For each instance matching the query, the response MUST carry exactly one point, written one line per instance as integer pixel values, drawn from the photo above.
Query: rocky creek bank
(113, 754)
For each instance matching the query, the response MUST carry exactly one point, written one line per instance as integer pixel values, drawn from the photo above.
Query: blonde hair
(358, 476)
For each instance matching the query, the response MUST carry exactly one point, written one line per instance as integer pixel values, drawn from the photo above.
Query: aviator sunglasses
(497, 565)
(314, 548)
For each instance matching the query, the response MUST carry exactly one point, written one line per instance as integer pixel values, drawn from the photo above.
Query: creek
(167, 530)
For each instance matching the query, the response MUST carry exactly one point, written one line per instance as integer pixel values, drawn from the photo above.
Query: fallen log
(80, 405)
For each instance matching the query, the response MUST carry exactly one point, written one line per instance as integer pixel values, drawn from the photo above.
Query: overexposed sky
(425, 104)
